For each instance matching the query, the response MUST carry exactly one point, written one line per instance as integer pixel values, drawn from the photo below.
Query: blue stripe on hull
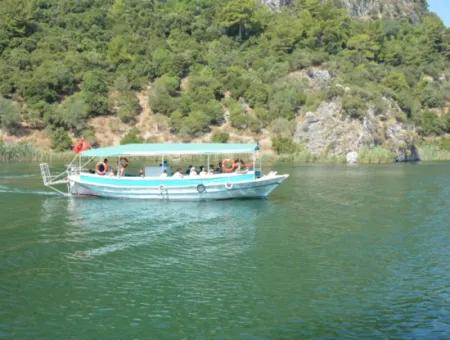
(169, 181)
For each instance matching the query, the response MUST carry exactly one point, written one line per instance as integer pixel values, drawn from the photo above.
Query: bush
(36, 113)
(194, 124)
(89, 136)
(220, 137)
(444, 144)
(60, 140)
(94, 91)
(176, 121)
(354, 107)
(127, 107)
(132, 137)
(286, 98)
(281, 127)
(9, 114)
(283, 145)
(162, 99)
(72, 113)
(430, 123)
(376, 155)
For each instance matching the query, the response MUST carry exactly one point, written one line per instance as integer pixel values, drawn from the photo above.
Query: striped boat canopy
(170, 149)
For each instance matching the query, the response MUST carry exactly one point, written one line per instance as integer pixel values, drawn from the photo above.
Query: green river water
(336, 251)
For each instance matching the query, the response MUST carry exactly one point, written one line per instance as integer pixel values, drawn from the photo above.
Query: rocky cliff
(328, 130)
(412, 9)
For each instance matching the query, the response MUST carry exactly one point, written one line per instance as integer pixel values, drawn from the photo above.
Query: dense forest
(64, 62)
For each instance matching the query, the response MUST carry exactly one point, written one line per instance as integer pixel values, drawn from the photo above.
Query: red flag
(81, 145)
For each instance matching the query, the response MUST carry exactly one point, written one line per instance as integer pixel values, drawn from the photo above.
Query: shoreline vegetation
(432, 150)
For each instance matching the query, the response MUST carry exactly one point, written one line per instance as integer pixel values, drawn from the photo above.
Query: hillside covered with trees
(216, 62)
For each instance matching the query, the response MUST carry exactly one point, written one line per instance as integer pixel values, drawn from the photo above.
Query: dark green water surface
(349, 252)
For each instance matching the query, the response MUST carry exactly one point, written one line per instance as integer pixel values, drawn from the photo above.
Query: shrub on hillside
(194, 124)
(89, 136)
(281, 127)
(72, 113)
(9, 114)
(354, 107)
(60, 140)
(430, 123)
(127, 107)
(220, 137)
(284, 145)
(94, 91)
(132, 137)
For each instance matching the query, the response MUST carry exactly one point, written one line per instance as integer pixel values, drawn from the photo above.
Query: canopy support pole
(208, 164)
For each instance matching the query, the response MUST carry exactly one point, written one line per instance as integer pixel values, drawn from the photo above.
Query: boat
(158, 182)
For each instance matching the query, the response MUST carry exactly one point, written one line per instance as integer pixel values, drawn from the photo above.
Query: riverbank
(431, 150)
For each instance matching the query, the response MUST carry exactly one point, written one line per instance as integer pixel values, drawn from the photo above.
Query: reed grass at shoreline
(20, 152)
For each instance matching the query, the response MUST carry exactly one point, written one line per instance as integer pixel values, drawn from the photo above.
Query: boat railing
(50, 180)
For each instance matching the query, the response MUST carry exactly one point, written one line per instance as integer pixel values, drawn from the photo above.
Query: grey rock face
(328, 131)
(412, 9)
(276, 4)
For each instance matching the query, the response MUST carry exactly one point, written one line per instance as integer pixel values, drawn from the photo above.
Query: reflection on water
(134, 223)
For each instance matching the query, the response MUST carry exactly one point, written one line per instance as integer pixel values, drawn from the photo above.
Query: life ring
(100, 168)
(229, 185)
(123, 162)
(227, 165)
(201, 188)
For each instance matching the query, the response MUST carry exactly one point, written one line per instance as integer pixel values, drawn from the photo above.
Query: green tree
(94, 90)
(237, 16)
(72, 113)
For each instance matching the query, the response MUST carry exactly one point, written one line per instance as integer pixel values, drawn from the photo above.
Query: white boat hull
(256, 188)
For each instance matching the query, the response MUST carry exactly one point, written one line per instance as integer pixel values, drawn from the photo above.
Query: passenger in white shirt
(164, 174)
(192, 172)
(203, 171)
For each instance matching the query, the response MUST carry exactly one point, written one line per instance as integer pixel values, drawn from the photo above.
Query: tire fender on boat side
(229, 185)
(201, 188)
(227, 166)
(100, 168)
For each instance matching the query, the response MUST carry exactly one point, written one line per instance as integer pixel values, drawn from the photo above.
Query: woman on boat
(178, 174)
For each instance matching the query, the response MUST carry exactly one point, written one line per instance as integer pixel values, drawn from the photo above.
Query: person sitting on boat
(218, 169)
(193, 172)
(164, 173)
(188, 170)
(211, 169)
(178, 174)
(121, 171)
(105, 161)
(203, 171)
(141, 172)
(236, 165)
